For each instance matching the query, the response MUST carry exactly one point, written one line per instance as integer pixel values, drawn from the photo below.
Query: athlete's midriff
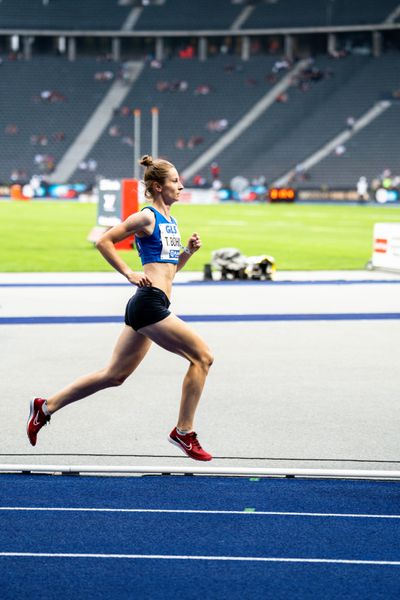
(161, 275)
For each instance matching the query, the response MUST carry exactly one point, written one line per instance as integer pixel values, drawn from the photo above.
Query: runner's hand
(194, 242)
(139, 279)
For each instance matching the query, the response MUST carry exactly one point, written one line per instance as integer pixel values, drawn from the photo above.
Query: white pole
(154, 132)
(136, 153)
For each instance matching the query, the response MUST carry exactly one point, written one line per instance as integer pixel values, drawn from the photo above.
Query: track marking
(270, 559)
(201, 282)
(211, 318)
(199, 512)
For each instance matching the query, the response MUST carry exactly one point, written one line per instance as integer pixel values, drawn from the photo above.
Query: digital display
(282, 194)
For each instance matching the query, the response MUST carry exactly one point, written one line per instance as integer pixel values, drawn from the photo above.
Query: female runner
(147, 318)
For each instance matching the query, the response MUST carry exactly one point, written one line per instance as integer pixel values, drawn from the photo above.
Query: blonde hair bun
(156, 171)
(146, 160)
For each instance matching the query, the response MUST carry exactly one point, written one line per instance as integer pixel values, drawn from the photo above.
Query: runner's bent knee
(204, 359)
(208, 358)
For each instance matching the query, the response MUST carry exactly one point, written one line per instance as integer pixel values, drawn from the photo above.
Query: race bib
(170, 240)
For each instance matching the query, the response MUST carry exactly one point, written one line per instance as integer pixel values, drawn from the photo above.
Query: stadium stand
(63, 14)
(45, 103)
(172, 15)
(371, 152)
(181, 15)
(290, 131)
(184, 115)
(318, 13)
(314, 111)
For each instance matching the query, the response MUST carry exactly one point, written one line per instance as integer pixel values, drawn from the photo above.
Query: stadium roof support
(386, 26)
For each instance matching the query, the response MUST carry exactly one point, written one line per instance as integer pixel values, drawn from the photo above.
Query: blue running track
(191, 537)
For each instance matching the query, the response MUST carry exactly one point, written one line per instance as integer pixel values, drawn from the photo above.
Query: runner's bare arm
(141, 222)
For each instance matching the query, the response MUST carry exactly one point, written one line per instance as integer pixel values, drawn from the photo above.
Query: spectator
(199, 181)
(273, 45)
(11, 129)
(283, 97)
(36, 182)
(202, 90)
(255, 46)
(339, 150)
(45, 163)
(299, 173)
(178, 86)
(338, 53)
(58, 136)
(187, 53)
(92, 165)
(162, 86)
(222, 124)
(155, 64)
(125, 111)
(18, 176)
(215, 170)
(259, 181)
(114, 131)
(387, 179)
(218, 125)
(45, 95)
(51, 96)
(104, 76)
(362, 189)
(180, 143)
(280, 65)
(216, 184)
(128, 140)
(194, 141)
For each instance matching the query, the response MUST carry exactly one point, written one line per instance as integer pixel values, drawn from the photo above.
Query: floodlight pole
(154, 131)
(136, 153)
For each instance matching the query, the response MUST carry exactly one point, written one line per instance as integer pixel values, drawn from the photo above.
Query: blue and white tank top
(164, 244)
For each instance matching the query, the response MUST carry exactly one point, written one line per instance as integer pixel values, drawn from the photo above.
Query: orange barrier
(129, 205)
(16, 193)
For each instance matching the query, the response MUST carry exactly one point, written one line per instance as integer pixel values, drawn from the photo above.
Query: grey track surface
(302, 394)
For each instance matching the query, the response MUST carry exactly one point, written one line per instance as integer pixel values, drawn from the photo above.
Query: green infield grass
(52, 235)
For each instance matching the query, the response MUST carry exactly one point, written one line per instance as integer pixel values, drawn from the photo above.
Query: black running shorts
(149, 305)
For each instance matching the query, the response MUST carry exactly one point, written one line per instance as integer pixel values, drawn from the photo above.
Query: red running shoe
(36, 420)
(189, 444)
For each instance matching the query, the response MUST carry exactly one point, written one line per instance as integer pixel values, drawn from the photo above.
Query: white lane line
(199, 512)
(271, 559)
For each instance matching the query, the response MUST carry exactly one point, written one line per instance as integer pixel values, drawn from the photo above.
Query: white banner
(386, 251)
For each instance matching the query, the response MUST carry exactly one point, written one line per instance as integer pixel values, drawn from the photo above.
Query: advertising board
(386, 247)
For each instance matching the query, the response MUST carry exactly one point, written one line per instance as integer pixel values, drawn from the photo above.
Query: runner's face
(172, 187)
